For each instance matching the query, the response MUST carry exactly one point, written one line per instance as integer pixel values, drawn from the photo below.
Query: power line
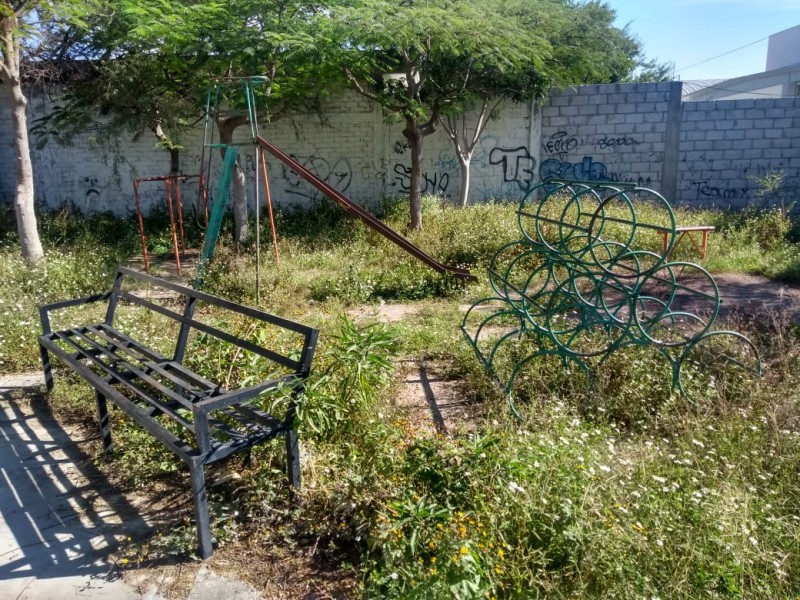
(702, 62)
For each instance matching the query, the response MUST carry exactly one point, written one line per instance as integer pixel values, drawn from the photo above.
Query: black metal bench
(199, 420)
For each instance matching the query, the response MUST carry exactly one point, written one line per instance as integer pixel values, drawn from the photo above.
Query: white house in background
(781, 79)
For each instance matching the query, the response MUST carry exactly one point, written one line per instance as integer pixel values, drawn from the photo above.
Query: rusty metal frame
(175, 209)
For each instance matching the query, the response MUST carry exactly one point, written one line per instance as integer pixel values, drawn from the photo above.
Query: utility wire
(702, 62)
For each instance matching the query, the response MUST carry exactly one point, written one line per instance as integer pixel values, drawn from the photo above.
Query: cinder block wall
(700, 154)
(611, 132)
(725, 144)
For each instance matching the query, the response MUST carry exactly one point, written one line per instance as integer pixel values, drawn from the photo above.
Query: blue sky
(686, 32)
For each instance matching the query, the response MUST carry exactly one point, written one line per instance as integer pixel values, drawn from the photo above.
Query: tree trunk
(23, 196)
(174, 161)
(463, 192)
(174, 153)
(414, 138)
(239, 204)
(226, 129)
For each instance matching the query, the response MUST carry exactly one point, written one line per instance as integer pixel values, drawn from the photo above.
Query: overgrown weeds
(629, 493)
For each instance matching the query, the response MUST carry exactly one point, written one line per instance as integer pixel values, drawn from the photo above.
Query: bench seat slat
(258, 431)
(140, 374)
(191, 382)
(143, 372)
(181, 447)
(220, 451)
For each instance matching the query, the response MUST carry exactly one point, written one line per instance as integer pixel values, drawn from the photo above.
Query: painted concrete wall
(783, 48)
(696, 153)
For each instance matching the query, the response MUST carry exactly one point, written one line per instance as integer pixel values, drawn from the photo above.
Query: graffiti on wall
(706, 191)
(518, 165)
(588, 169)
(337, 173)
(434, 183)
(90, 185)
(610, 141)
(516, 172)
(446, 161)
(561, 143)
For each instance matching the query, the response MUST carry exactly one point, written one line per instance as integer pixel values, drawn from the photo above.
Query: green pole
(215, 222)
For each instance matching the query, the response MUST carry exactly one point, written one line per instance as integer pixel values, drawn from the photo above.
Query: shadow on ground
(59, 516)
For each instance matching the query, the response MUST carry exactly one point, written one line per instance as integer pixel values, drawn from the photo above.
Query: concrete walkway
(60, 518)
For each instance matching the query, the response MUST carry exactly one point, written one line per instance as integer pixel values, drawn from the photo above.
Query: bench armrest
(247, 394)
(46, 309)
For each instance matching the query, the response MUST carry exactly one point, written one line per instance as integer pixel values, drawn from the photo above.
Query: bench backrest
(298, 360)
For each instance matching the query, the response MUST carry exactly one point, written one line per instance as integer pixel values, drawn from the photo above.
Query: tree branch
(357, 84)
(448, 123)
(19, 9)
(430, 125)
(483, 120)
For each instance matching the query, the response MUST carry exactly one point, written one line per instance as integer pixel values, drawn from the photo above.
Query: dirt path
(434, 403)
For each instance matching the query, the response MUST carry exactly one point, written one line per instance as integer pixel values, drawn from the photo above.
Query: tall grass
(627, 493)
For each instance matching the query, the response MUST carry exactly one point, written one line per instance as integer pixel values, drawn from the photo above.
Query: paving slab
(210, 586)
(58, 518)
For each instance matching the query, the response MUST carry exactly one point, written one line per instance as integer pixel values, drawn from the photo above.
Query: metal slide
(358, 211)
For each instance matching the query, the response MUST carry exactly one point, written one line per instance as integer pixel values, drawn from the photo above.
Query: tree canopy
(424, 60)
(148, 67)
(144, 64)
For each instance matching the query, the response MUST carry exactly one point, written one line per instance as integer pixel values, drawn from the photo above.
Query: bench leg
(46, 368)
(103, 419)
(293, 458)
(200, 494)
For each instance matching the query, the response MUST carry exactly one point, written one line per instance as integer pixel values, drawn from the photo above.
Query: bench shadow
(435, 399)
(59, 515)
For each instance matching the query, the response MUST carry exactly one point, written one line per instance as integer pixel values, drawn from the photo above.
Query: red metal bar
(141, 225)
(171, 182)
(356, 210)
(269, 208)
(165, 177)
(177, 185)
(167, 183)
(204, 196)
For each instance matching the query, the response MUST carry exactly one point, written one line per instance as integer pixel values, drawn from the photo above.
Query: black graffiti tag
(339, 175)
(561, 143)
(612, 142)
(518, 165)
(709, 191)
(435, 183)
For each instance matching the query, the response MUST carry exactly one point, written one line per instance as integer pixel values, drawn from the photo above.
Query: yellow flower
(501, 555)
(464, 550)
